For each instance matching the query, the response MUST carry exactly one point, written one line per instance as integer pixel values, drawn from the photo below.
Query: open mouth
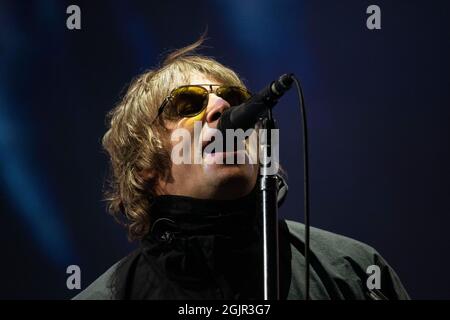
(211, 148)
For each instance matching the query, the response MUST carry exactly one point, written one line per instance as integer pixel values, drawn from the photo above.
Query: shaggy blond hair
(135, 142)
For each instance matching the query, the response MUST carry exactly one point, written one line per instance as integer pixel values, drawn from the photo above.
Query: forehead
(197, 78)
(178, 77)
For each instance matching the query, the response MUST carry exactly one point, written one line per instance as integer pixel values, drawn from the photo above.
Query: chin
(232, 181)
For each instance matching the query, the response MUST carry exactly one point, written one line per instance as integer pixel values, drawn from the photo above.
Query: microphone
(245, 115)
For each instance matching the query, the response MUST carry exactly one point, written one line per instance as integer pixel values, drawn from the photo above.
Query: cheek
(192, 141)
(184, 144)
(189, 122)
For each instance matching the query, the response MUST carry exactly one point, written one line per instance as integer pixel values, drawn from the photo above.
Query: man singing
(198, 222)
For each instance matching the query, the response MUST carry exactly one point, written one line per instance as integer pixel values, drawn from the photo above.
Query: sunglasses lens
(187, 101)
(233, 95)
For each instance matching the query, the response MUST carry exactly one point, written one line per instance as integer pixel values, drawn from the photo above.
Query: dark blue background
(378, 106)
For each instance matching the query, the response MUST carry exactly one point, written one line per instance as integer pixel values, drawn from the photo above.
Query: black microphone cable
(301, 102)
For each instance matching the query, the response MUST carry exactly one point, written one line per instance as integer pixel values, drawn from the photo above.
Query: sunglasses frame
(169, 98)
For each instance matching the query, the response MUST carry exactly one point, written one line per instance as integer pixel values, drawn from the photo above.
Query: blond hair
(135, 142)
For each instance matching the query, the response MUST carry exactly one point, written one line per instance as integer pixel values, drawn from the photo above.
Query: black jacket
(209, 249)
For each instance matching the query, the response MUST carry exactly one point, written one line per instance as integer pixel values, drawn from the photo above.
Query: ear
(147, 174)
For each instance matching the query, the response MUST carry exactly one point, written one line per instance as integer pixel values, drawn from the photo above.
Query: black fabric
(208, 249)
(200, 249)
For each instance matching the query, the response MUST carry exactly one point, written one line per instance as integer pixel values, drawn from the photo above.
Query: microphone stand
(269, 207)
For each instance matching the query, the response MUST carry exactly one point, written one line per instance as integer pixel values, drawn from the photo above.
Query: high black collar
(200, 249)
(185, 216)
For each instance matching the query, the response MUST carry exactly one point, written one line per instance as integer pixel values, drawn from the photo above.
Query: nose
(216, 106)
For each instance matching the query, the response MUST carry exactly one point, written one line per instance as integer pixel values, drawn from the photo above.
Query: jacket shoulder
(333, 245)
(101, 288)
(346, 261)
